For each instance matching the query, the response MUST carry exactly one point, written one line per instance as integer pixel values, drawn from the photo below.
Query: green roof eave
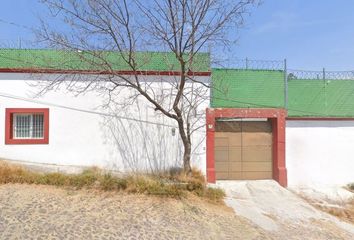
(95, 60)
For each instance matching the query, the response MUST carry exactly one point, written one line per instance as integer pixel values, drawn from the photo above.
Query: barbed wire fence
(249, 64)
(281, 65)
(19, 43)
(318, 75)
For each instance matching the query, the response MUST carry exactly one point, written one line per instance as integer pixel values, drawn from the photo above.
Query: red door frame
(277, 117)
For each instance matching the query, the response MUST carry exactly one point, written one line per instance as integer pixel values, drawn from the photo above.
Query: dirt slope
(42, 212)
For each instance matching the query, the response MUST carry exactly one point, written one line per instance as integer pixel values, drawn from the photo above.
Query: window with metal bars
(27, 126)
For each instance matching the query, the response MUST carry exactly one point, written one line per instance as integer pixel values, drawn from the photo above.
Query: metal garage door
(243, 150)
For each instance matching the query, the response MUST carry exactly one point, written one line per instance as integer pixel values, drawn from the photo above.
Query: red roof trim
(120, 72)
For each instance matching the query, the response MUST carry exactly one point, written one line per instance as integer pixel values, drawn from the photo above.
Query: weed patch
(170, 184)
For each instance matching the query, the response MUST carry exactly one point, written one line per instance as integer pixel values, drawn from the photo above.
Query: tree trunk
(187, 146)
(187, 156)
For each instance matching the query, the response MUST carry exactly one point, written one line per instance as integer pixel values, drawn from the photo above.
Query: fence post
(285, 85)
(325, 90)
(211, 90)
(19, 43)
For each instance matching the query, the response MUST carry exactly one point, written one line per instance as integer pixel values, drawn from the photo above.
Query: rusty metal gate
(243, 150)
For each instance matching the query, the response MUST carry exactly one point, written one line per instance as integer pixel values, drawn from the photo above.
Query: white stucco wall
(78, 138)
(320, 152)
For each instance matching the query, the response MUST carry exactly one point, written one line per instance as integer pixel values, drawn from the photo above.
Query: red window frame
(9, 112)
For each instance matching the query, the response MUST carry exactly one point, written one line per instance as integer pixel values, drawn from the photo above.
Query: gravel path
(43, 212)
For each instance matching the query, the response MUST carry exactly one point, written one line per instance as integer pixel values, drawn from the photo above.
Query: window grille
(28, 126)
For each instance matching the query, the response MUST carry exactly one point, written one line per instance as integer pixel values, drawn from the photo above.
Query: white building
(68, 131)
(248, 128)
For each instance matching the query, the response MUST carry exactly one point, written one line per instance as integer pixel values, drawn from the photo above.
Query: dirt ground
(44, 212)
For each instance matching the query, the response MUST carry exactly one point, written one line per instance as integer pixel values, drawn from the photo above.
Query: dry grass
(346, 213)
(170, 184)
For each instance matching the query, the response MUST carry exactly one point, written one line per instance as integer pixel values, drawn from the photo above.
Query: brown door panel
(256, 138)
(221, 175)
(235, 154)
(221, 154)
(235, 166)
(221, 142)
(222, 166)
(222, 135)
(256, 166)
(243, 150)
(256, 126)
(235, 176)
(257, 154)
(235, 139)
(256, 175)
(227, 126)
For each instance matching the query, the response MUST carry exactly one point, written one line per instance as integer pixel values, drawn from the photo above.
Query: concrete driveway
(283, 214)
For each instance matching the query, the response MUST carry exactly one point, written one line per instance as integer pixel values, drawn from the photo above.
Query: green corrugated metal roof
(72, 60)
(241, 88)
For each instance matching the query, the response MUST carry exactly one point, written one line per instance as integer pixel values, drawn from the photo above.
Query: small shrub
(109, 183)
(86, 179)
(198, 175)
(214, 194)
(351, 186)
(195, 185)
(137, 184)
(56, 179)
(15, 174)
(162, 189)
(152, 186)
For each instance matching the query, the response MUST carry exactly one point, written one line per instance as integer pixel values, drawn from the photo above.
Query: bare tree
(98, 29)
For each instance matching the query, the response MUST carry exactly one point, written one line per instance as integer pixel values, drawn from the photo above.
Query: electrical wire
(9, 96)
(16, 25)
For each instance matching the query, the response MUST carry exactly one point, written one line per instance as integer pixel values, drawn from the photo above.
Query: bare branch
(108, 35)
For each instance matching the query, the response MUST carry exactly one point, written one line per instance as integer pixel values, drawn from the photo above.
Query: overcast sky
(309, 34)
